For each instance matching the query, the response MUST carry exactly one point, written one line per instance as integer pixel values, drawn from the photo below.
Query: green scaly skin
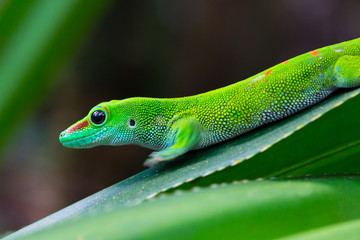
(177, 125)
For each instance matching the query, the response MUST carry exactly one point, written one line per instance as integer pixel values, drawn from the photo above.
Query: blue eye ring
(98, 116)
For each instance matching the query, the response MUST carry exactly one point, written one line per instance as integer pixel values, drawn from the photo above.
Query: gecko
(174, 126)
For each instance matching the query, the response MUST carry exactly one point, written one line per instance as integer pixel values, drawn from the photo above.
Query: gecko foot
(161, 156)
(150, 162)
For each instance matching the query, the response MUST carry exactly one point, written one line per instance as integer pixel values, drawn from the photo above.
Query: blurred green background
(138, 48)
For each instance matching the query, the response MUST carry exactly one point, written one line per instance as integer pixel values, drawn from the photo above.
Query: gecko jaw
(85, 141)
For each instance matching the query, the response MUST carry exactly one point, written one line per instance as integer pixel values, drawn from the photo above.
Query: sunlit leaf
(253, 210)
(349, 230)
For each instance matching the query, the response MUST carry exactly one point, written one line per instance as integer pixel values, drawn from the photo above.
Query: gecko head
(105, 124)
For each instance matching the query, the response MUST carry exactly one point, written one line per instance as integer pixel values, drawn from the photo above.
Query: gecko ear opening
(132, 123)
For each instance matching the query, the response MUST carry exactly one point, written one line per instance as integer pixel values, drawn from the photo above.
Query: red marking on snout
(78, 126)
(315, 53)
(268, 72)
(286, 62)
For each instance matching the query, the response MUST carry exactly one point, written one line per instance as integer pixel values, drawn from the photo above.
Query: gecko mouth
(78, 140)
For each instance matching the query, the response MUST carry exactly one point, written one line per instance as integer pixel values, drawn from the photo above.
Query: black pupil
(132, 122)
(98, 117)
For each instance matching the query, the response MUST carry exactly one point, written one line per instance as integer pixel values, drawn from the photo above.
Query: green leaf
(253, 210)
(201, 163)
(349, 230)
(37, 37)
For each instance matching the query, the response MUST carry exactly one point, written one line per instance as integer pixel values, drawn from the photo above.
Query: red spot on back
(286, 62)
(315, 53)
(78, 126)
(268, 72)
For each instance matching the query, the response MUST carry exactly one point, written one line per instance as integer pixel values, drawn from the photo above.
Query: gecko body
(173, 126)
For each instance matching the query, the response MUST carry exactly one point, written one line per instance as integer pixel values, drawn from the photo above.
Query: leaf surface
(205, 165)
(252, 210)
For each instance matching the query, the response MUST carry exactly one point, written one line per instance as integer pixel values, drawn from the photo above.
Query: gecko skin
(173, 126)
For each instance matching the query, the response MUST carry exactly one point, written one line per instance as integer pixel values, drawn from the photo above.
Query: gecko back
(177, 125)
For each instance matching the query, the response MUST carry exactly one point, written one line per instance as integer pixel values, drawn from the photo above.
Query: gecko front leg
(347, 72)
(184, 136)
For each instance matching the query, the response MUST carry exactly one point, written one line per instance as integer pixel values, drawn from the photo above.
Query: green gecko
(173, 126)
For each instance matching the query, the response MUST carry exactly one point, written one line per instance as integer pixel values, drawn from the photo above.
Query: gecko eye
(132, 123)
(98, 117)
